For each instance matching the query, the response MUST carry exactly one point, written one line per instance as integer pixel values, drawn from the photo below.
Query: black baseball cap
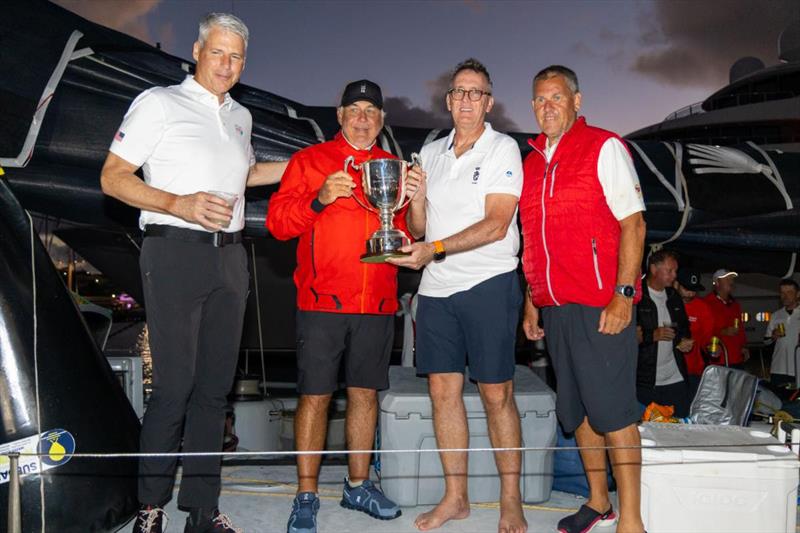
(690, 279)
(362, 90)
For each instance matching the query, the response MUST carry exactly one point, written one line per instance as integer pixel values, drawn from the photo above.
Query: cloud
(695, 43)
(402, 112)
(127, 17)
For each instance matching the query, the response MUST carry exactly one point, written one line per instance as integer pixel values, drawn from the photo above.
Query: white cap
(722, 273)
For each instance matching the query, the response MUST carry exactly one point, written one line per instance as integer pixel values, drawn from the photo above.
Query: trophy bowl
(384, 184)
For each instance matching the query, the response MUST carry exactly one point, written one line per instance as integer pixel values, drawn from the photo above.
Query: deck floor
(259, 497)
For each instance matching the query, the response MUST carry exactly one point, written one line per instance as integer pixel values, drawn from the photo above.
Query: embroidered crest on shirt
(509, 173)
(119, 136)
(238, 129)
(476, 174)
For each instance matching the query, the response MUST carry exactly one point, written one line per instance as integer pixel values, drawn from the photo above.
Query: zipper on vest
(596, 265)
(544, 237)
(552, 179)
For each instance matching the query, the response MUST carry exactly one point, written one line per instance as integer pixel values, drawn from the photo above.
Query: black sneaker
(199, 521)
(586, 519)
(150, 519)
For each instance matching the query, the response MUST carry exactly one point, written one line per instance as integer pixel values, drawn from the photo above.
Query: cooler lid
(688, 443)
(408, 393)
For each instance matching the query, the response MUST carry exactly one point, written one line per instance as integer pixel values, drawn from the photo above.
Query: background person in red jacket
(727, 315)
(583, 230)
(345, 307)
(701, 323)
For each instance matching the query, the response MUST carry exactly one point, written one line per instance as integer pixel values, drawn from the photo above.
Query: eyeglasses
(474, 94)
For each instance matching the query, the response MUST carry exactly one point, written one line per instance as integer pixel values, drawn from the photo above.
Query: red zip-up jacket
(701, 324)
(725, 314)
(329, 275)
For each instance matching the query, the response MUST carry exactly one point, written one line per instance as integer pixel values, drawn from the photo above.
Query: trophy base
(381, 257)
(385, 244)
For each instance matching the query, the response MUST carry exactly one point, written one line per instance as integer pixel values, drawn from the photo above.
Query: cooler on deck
(742, 488)
(406, 423)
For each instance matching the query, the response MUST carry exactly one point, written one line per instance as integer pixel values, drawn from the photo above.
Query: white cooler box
(742, 488)
(412, 479)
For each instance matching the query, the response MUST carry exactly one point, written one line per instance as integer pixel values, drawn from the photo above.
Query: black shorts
(595, 373)
(365, 342)
(477, 327)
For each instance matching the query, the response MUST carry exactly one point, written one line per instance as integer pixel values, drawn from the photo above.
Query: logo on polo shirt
(509, 173)
(238, 129)
(476, 174)
(119, 136)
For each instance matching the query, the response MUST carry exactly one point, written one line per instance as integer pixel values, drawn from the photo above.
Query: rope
(89, 455)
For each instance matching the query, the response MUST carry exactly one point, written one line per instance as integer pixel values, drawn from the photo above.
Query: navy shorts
(595, 373)
(323, 339)
(475, 328)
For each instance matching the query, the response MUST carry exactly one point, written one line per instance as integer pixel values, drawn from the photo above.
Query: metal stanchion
(14, 503)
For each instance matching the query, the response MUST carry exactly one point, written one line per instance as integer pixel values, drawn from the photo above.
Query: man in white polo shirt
(192, 142)
(470, 297)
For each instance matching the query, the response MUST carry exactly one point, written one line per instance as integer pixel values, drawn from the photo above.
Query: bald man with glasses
(465, 204)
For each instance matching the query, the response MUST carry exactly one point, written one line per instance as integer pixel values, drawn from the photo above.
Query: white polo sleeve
(141, 129)
(618, 178)
(502, 170)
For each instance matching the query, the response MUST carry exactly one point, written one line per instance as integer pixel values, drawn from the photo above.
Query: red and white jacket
(329, 275)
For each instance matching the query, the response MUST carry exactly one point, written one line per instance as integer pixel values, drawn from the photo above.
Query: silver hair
(559, 70)
(225, 21)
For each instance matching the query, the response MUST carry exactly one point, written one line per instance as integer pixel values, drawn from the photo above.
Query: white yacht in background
(759, 104)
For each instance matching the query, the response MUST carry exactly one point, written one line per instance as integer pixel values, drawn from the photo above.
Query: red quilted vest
(571, 238)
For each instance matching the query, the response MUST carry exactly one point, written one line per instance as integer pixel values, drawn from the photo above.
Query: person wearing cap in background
(701, 323)
(664, 338)
(784, 329)
(727, 315)
(345, 307)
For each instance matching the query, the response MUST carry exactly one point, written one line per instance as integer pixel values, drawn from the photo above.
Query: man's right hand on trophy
(416, 184)
(338, 185)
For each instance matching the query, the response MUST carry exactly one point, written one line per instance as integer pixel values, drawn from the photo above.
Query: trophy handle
(348, 162)
(415, 160)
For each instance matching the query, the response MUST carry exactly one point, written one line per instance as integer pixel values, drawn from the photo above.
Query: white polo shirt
(185, 141)
(456, 199)
(617, 177)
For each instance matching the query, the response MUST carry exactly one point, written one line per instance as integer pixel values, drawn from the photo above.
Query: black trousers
(195, 297)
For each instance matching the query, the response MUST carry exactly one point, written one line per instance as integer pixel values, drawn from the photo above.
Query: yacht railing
(731, 100)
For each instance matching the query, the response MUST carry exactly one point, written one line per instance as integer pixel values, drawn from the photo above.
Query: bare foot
(448, 509)
(512, 519)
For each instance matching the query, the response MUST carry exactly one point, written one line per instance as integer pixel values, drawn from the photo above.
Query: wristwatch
(628, 291)
(439, 252)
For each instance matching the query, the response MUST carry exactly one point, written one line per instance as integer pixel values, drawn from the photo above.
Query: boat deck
(258, 498)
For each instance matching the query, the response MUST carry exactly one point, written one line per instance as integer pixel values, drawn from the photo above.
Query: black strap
(217, 238)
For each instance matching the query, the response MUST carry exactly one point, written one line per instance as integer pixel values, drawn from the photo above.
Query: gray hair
(559, 70)
(225, 21)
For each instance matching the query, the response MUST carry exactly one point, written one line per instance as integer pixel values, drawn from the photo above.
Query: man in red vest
(583, 232)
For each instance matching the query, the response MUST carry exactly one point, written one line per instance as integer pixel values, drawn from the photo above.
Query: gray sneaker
(369, 499)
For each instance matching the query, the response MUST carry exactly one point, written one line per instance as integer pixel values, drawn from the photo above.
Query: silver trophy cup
(384, 183)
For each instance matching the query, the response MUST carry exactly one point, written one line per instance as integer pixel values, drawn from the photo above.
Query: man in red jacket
(701, 323)
(583, 231)
(345, 307)
(728, 324)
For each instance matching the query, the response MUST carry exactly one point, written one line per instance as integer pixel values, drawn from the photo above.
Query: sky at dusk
(636, 61)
